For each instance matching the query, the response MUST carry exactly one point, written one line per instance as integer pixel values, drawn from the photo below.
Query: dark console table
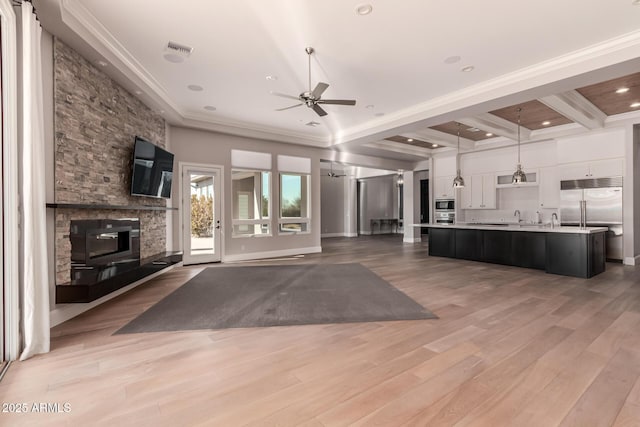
(94, 283)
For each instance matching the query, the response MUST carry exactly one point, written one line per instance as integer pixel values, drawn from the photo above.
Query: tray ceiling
(405, 77)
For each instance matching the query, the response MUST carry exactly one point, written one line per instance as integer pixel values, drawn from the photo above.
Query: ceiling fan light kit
(519, 176)
(332, 174)
(312, 98)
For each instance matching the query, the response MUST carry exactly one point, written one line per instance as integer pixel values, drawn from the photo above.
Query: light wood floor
(512, 347)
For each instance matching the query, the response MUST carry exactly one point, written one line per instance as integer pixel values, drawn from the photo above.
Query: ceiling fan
(312, 98)
(332, 174)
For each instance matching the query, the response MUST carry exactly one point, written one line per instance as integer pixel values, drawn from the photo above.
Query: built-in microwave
(445, 205)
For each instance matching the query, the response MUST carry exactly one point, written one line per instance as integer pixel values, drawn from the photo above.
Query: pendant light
(519, 176)
(458, 181)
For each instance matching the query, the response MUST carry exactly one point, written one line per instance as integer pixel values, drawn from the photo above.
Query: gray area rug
(240, 297)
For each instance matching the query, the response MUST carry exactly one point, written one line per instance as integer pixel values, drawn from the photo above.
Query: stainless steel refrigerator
(595, 203)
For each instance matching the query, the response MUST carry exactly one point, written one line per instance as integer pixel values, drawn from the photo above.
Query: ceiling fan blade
(287, 108)
(284, 95)
(318, 109)
(319, 90)
(338, 101)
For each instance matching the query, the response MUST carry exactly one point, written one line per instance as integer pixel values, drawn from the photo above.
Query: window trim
(261, 221)
(295, 220)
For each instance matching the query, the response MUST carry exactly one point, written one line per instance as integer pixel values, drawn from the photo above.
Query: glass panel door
(201, 214)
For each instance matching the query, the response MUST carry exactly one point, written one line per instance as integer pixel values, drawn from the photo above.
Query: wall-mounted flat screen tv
(152, 170)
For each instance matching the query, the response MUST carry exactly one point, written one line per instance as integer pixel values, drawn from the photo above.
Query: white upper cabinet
(479, 192)
(464, 194)
(593, 169)
(606, 168)
(488, 191)
(549, 189)
(444, 187)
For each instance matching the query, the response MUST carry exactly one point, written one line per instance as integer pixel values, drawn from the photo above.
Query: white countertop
(518, 227)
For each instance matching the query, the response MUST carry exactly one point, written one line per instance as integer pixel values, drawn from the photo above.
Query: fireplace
(105, 257)
(102, 248)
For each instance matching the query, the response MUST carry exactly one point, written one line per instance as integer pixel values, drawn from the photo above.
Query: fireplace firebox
(100, 242)
(105, 256)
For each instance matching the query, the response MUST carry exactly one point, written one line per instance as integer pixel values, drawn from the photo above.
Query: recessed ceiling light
(434, 145)
(488, 134)
(635, 105)
(369, 107)
(452, 59)
(622, 90)
(546, 123)
(195, 88)
(272, 78)
(473, 130)
(409, 139)
(312, 124)
(379, 114)
(101, 63)
(364, 9)
(210, 108)
(467, 69)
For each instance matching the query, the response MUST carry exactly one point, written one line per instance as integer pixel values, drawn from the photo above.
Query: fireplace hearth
(105, 256)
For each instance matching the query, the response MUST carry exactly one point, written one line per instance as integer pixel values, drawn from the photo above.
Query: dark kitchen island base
(568, 254)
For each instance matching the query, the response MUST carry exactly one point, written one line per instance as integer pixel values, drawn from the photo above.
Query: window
(251, 202)
(294, 203)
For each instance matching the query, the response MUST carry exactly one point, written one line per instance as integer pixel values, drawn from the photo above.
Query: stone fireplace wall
(96, 121)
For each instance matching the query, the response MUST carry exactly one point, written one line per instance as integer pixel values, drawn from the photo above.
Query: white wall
(203, 147)
(332, 204)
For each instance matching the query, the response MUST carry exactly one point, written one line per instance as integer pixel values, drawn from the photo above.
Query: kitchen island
(569, 251)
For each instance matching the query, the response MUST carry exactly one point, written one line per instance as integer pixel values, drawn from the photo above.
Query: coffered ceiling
(416, 68)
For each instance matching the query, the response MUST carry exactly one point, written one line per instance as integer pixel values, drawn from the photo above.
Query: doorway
(424, 204)
(201, 214)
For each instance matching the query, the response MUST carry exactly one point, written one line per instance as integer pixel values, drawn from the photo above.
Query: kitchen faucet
(517, 213)
(553, 222)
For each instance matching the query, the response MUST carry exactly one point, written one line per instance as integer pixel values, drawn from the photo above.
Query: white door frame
(187, 165)
(10, 230)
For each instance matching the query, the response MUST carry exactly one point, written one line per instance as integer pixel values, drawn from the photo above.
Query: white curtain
(35, 286)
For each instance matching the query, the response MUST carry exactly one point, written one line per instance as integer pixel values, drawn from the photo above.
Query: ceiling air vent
(175, 52)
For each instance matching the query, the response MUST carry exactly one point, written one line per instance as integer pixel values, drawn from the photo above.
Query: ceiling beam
(497, 125)
(576, 107)
(441, 138)
(398, 147)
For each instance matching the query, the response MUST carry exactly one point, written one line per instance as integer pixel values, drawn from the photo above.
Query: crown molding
(513, 87)
(78, 18)
(252, 130)
(527, 83)
(398, 147)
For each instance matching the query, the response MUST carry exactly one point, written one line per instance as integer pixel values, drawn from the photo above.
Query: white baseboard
(333, 235)
(272, 254)
(64, 312)
(365, 233)
(412, 239)
(632, 260)
(339, 235)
